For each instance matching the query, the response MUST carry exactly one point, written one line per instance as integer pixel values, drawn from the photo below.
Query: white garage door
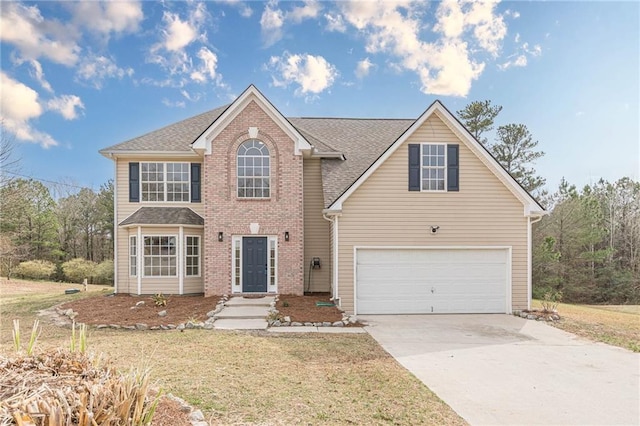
(423, 281)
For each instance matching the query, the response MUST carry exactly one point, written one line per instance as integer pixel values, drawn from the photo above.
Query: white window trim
(133, 256)
(164, 181)
(422, 145)
(236, 242)
(199, 255)
(177, 256)
(269, 177)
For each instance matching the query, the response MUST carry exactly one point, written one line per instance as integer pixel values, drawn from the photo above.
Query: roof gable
(203, 143)
(531, 206)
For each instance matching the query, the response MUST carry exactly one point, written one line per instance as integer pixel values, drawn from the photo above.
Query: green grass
(614, 325)
(259, 377)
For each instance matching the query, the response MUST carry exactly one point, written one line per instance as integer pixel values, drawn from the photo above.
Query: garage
(432, 280)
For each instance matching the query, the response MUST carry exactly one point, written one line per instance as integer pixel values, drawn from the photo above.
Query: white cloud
(517, 38)
(271, 23)
(312, 74)
(310, 10)
(520, 58)
(445, 65)
(243, 8)
(178, 33)
(207, 69)
(66, 106)
(176, 104)
(335, 22)
(38, 74)
(18, 105)
(94, 69)
(35, 37)
(363, 68)
(274, 19)
(108, 17)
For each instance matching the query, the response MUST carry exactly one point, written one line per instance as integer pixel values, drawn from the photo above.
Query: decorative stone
(171, 326)
(208, 326)
(162, 313)
(286, 323)
(114, 326)
(129, 327)
(196, 416)
(164, 327)
(287, 319)
(211, 313)
(277, 323)
(101, 326)
(531, 317)
(338, 324)
(180, 327)
(326, 324)
(68, 312)
(296, 324)
(140, 303)
(308, 324)
(141, 326)
(189, 325)
(154, 327)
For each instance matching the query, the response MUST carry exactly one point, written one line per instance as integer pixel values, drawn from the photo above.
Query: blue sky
(78, 77)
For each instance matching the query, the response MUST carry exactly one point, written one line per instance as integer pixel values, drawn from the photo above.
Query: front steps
(240, 313)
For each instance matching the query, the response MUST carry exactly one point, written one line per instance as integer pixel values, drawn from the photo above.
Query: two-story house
(390, 216)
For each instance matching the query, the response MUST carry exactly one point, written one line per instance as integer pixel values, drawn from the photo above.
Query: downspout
(115, 227)
(334, 224)
(531, 221)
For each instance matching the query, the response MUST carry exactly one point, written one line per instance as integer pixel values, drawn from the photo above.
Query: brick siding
(226, 213)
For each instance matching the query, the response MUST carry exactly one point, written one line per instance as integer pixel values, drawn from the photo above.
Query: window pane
(253, 169)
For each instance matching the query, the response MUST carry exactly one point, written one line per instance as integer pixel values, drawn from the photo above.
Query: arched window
(254, 169)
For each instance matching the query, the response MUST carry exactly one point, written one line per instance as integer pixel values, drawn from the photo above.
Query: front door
(254, 264)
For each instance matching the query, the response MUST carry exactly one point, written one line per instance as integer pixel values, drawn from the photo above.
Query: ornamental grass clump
(62, 388)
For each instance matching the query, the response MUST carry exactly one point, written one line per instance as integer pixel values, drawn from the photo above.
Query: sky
(77, 77)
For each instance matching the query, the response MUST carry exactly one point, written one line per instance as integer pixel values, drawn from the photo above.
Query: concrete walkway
(240, 313)
(503, 370)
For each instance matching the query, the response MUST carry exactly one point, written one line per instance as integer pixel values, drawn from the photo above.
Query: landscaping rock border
(538, 315)
(274, 320)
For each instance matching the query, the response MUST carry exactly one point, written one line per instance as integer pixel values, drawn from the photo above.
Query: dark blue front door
(254, 264)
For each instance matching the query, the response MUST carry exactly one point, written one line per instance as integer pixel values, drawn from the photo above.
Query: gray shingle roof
(361, 141)
(164, 216)
(175, 137)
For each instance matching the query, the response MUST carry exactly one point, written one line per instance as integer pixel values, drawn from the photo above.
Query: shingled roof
(175, 137)
(361, 141)
(164, 216)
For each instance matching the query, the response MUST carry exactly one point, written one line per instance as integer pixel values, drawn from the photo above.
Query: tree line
(39, 232)
(587, 249)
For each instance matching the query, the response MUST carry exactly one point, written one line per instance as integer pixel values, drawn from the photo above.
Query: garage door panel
(431, 280)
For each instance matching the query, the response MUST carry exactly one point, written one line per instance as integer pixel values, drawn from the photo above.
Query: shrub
(76, 270)
(104, 272)
(36, 269)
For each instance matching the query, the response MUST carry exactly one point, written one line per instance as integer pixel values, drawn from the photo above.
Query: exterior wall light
(286, 235)
(220, 236)
(434, 228)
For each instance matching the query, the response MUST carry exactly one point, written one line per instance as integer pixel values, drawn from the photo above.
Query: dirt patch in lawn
(309, 308)
(122, 309)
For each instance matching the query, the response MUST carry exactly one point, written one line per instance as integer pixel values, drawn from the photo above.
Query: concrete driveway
(503, 370)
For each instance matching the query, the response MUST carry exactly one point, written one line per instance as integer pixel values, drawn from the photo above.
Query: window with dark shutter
(414, 167)
(453, 168)
(134, 182)
(195, 183)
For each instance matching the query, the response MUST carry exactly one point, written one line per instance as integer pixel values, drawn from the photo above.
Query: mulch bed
(304, 308)
(121, 309)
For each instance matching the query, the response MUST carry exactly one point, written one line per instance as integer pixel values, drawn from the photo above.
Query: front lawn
(615, 325)
(255, 377)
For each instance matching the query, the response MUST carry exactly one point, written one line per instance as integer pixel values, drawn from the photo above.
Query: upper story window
(254, 169)
(165, 181)
(433, 167)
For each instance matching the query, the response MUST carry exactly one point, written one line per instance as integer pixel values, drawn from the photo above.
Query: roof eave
(150, 154)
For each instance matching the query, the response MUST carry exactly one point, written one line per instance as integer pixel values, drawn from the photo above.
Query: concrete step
(250, 301)
(243, 312)
(240, 324)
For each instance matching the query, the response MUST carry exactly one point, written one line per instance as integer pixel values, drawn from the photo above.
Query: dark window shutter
(195, 183)
(134, 182)
(453, 168)
(414, 167)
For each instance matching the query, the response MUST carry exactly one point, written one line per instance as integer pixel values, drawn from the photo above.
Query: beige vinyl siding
(125, 283)
(317, 230)
(382, 212)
